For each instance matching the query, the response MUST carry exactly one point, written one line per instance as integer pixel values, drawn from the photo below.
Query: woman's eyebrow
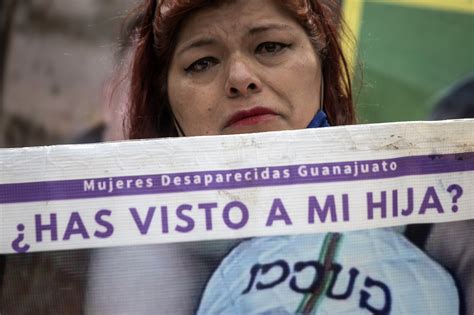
(196, 43)
(255, 30)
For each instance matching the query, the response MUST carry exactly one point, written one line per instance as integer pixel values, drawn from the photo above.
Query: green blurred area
(409, 57)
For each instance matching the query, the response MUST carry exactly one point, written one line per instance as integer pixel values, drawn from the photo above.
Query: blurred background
(410, 51)
(57, 58)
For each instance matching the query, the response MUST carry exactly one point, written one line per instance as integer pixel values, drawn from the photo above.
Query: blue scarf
(319, 120)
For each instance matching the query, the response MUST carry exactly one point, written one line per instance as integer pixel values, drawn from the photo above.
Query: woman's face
(243, 67)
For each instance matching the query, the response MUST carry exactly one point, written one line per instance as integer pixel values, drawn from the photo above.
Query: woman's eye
(202, 65)
(270, 48)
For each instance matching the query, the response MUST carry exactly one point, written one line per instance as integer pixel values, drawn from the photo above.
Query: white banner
(224, 187)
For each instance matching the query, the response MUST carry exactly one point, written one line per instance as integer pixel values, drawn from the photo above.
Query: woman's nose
(242, 79)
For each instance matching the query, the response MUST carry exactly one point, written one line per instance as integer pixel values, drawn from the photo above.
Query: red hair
(150, 114)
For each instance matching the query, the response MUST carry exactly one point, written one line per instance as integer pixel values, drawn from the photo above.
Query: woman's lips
(250, 117)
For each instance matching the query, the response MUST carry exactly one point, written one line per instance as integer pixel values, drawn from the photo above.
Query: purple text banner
(204, 188)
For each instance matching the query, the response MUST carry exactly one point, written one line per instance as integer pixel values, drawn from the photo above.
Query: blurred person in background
(451, 244)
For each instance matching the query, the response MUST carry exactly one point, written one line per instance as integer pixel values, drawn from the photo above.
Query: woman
(227, 67)
(158, 58)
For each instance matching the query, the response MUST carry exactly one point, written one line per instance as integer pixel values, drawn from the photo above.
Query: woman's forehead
(235, 16)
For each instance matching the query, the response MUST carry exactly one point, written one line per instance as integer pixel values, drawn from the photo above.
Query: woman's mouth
(253, 116)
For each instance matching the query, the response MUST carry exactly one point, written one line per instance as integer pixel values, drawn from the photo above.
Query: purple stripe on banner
(237, 178)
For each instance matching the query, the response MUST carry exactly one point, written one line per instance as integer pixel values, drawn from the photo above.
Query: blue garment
(319, 120)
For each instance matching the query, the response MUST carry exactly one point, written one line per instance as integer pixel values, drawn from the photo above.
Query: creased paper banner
(221, 187)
